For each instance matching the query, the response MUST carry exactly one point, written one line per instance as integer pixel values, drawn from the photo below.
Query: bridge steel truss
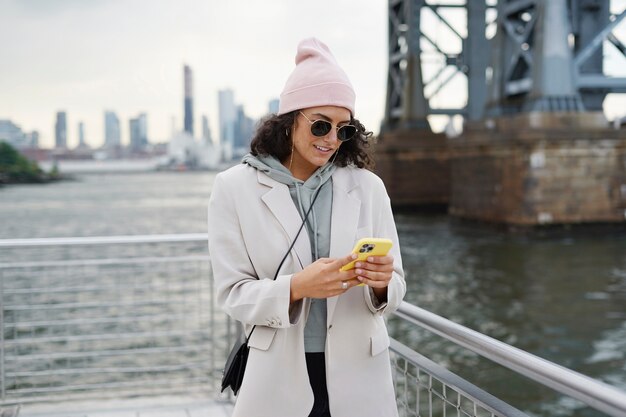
(545, 55)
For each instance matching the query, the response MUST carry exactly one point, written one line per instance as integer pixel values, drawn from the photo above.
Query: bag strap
(291, 247)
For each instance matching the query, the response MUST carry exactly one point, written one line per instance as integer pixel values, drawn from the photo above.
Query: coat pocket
(262, 337)
(380, 341)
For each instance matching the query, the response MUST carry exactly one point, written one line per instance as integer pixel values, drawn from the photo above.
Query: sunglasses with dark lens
(321, 128)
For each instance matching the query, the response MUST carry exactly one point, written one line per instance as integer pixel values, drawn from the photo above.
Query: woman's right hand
(323, 279)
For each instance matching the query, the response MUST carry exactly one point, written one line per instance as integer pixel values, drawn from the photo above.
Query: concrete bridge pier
(415, 167)
(549, 161)
(540, 168)
(536, 148)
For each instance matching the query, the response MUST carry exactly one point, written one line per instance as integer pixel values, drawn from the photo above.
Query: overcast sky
(88, 56)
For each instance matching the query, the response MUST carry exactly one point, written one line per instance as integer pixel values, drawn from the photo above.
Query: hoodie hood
(278, 172)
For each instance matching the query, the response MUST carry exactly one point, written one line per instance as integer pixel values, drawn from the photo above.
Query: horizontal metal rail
(111, 320)
(65, 306)
(107, 353)
(98, 337)
(108, 261)
(113, 370)
(96, 288)
(596, 394)
(103, 240)
(116, 385)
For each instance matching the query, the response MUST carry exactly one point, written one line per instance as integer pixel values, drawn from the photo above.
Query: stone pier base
(531, 169)
(561, 171)
(415, 168)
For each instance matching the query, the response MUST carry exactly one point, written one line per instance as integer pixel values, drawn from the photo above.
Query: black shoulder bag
(236, 363)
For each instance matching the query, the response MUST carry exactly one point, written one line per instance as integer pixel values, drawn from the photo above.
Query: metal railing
(133, 315)
(596, 394)
(125, 315)
(424, 388)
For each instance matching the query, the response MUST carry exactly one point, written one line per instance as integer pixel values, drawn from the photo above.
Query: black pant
(316, 366)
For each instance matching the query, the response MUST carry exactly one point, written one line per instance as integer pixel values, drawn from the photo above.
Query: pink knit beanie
(317, 80)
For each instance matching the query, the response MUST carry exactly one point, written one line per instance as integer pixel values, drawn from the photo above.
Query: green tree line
(16, 168)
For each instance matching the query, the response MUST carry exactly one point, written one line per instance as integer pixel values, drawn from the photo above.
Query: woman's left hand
(376, 273)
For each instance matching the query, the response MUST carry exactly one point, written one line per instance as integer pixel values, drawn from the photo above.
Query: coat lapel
(345, 220)
(279, 202)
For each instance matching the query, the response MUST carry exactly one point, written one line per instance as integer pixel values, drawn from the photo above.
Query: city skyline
(127, 57)
(84, 58)
(238, 128)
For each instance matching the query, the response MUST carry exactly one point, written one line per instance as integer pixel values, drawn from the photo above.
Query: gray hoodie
(317, 226)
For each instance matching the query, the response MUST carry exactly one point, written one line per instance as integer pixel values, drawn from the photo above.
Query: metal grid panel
(424, 388)
(125, 325)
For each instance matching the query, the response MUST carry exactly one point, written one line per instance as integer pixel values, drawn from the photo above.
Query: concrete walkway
(171, 406)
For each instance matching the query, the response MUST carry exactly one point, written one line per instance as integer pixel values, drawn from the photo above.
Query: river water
(560, 294)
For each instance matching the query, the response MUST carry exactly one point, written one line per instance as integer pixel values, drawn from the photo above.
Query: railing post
(229, 344)
(2, 376)
(215, 382)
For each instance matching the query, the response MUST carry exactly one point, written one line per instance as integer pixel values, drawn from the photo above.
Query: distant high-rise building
(134, 133)
(143, 128)
(273, 106)
(138, 131)
(81, 135)
(14, 136)
(10, 132)
(206, 130)
(188, 100)
(32, 139)
(227, 119)
(111, 129)
(244, 128)
(60, 130)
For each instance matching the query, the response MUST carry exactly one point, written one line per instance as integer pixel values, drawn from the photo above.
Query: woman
(320, 347)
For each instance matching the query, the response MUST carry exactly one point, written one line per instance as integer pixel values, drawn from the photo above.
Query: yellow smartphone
(366, 247)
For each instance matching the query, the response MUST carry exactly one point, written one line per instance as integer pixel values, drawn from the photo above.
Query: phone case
(369, 246)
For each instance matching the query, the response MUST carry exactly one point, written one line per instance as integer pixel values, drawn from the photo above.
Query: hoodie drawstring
(313, 218)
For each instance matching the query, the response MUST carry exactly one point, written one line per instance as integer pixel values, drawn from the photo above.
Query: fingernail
(353, 256)
(370, 259)
(358, 264)
(360, 278)
(358, 271)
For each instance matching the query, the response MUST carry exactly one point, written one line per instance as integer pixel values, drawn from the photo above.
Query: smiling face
(309, 151)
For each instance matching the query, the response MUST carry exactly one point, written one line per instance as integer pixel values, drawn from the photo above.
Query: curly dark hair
(271, 138)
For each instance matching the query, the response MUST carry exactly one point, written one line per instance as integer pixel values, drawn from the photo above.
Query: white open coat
(252, 221)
